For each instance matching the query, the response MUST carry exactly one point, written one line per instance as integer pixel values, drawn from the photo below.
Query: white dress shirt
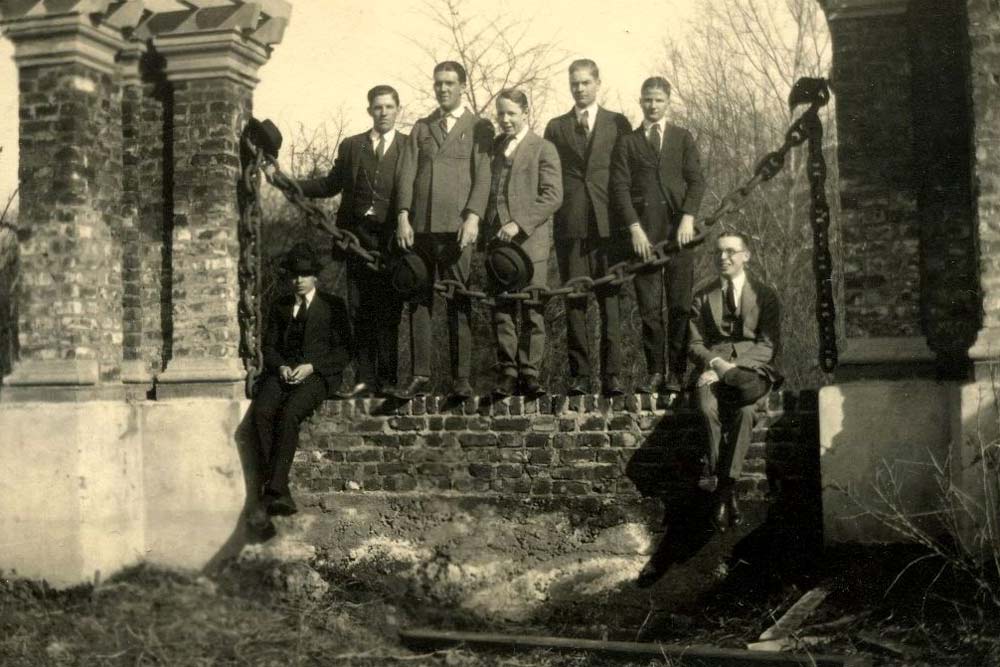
(451, 117)
(298, 301)
(591, 116)
(738, 283)
(513, 143)
(647, 126)
(390, 136)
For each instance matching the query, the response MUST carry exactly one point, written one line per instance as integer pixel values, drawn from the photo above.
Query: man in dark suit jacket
(735, 328)
(364, 174)
(443, 185)
(657, 187)
(583, 225)
(306, 346)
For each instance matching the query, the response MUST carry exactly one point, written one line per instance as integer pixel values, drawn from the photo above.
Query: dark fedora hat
(266, 136)
(301, 260)
(509, 268)
(411, 272)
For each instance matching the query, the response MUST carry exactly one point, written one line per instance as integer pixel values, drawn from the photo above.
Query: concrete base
(93, 487)
(880, 440)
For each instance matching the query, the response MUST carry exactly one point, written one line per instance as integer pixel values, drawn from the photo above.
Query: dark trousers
(278, 410)
(675, 281)
(589, 257)
(728, 407)
(451, 264)
(375, 310)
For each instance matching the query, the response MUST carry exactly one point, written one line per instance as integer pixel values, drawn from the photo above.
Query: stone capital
(89, 32)
(858, 9)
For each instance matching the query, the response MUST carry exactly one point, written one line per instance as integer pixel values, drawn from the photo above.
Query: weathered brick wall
(208, 116)
(553, 447)
(71, 179)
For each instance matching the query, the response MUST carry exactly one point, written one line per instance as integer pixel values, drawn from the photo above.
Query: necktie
(654, 141)
(730, 298)
(444, 123)
(585, 123)
(380, 148)
(505, 144)
(301, 313)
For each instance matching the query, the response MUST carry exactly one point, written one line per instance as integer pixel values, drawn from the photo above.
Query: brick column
(871, 79)
(211, 56)
(70, 172)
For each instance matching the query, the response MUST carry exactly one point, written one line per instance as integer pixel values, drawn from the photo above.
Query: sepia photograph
(467, 333)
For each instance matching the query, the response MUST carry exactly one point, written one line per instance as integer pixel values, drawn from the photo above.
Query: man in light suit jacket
(306, 345)
(443, 185)
(584, 226)
(526, 190)
(657, 187)
(735, 333)
(364, 174)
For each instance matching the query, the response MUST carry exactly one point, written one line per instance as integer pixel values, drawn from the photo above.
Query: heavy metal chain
(808, 126)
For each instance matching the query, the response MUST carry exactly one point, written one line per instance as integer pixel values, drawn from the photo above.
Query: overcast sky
(334, 50)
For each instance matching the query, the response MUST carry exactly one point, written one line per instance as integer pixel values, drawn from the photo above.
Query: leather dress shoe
(419, 385)
(359, 390)
(735, 516)
(506, 385)
(281, 505)
(461, 389)
(651, 385)
(579, 385)
(720, 516)
(530, 388)
(669, 399)
(611, 386)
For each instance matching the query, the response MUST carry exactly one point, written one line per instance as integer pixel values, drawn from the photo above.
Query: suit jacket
(440, 177)
(656, 189)
(327, 339)
(585, 173)
(760, 341)
(356, 169)
(533, 188)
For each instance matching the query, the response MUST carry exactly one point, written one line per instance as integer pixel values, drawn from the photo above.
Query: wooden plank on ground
(688, 656)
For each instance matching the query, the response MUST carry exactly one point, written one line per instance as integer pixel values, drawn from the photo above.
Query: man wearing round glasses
(734, 335)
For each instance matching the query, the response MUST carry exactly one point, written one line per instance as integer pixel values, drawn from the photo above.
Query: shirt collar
(591, 113)
(519, 137)
(455, 113)
(738, 281)
(662, 123)
(389, 136)
(308, 296)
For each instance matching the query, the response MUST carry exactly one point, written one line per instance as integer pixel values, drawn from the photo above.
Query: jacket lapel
(603, 136)
(647, 150)
(749, 309)
(461, 126)
(521, 152)
(569, 133)
(715, 302)
(433, 123)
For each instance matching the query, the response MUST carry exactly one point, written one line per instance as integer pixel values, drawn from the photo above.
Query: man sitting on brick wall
(306, 347)
(734, 334)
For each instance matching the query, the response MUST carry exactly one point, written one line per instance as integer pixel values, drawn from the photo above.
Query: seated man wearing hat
(526, 190)
(734, 334)
(306, 346)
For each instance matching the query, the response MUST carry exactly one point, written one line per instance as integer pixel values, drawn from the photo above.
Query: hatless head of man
(732, 252)
(512, 111)
(654, 98)
(383, 107)
(584, 82)
(449, 84)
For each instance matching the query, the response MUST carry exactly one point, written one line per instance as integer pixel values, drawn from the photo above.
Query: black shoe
(359, 390)
(530, 387)
(649, 575)
(611, 386)
(720, 516)
(578, 386)
(505, 386)
(735, 516)
(669, 399)
(281, 505)
(461, 389)
(419, 385)
(651, 385)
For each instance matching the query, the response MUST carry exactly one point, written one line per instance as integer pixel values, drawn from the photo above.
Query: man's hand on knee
(300, 373)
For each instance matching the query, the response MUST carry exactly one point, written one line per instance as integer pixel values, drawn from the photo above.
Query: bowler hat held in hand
(410, 273)
(509, 268)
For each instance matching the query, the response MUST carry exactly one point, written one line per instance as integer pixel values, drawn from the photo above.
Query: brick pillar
(211, 55)
(871, 79)
(71, 177)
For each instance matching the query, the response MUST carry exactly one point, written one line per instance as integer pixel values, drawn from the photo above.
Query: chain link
(807, 127)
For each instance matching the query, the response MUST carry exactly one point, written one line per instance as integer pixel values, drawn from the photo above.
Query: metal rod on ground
(703, 656)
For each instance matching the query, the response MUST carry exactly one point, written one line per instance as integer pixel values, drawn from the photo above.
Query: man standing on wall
(443, 186)
(306, 346)
(735, 332)
(364, 173)
(657, 187)
(584, 139)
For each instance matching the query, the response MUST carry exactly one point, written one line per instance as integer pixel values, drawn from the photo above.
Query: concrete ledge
(886, 351)
(73, 372)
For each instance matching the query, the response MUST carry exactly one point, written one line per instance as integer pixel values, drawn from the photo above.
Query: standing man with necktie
(657, 187)
(735, 332)
(364, 174)
(526, 190)
(443, 185)
(306, 346)
(583, 226)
